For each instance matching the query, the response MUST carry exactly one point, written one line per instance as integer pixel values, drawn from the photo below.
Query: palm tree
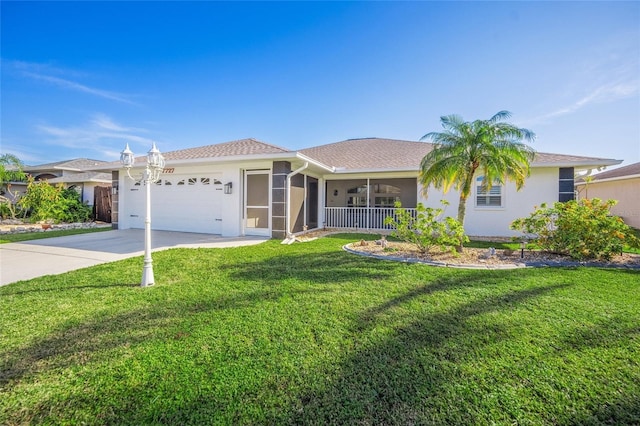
(492, 147)
(10, 170)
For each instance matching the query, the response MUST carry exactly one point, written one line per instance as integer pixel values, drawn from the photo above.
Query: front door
(257, 199)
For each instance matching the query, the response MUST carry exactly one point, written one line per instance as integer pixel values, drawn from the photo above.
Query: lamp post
(150, 174)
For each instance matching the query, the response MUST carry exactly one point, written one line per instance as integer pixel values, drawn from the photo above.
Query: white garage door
(187, 203)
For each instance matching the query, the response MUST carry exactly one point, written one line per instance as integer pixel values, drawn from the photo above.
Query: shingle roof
(629, 170)
(75, 164)
(548, 159)
(234, 148)
(393, 154)
(82, 177)
(370, 153)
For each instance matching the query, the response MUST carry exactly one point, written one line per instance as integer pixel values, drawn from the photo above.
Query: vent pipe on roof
(288, 201)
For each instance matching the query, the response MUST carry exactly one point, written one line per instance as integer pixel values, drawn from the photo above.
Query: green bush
(583, 229)
(426, 228)
(47, 202)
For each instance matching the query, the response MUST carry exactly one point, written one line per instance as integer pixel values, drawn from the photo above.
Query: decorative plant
(47, 202)
(426, 228)
(583, 229)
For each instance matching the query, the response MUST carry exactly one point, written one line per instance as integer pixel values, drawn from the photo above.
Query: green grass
(27, 236)
(309, 334)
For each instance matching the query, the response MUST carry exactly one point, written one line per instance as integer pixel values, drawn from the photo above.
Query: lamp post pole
(151, 174)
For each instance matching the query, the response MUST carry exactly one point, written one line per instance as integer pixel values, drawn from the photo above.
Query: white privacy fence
(360, 217)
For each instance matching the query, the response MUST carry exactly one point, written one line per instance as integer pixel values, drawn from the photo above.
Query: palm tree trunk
(462, 209)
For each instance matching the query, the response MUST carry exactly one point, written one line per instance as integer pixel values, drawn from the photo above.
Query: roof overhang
(612, 179)
(281, 156)
(595, 163)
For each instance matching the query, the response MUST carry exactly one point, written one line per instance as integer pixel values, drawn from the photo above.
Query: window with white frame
(357, 196)
(488, 197)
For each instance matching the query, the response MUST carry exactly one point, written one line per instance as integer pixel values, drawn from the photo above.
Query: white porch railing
(359, 217)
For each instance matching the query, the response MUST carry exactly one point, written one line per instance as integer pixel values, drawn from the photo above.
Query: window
(362, 189)
(383, 188)
(360, 197)
(357, 201)
(490, 198)
(386, 201)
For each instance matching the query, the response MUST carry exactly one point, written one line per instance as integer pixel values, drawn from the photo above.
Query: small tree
(47, 202)
(491, 147)
(583, 229)
(10, 171)
(427, 228)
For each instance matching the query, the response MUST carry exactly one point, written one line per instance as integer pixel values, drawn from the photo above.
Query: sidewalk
(36, 258)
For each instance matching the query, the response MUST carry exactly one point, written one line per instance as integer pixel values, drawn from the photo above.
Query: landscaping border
(518, 265)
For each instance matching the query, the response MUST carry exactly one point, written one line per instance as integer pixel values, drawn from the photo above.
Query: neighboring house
(74, 173)
(248, 187)
(622, 184)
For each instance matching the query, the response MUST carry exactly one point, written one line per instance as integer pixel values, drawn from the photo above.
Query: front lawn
(309, 334)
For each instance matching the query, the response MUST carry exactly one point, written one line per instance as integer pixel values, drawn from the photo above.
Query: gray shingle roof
(353, 154)
(370, 153)
(393, 154)
(83, 177)
(234, 148)
(629, 170)
(76, 164)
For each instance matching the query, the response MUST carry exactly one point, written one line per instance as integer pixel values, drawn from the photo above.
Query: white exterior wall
(88, 191)
(229, 207)
(540, 187)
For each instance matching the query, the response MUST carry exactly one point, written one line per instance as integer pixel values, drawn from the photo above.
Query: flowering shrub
(426, 228)
(583, 229)
(43, 201)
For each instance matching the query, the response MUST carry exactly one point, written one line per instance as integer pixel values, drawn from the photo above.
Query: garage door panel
(188, 203)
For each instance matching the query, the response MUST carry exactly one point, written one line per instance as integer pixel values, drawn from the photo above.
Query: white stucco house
(248, 187)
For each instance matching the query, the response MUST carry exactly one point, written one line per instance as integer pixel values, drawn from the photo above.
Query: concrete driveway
(36, 258)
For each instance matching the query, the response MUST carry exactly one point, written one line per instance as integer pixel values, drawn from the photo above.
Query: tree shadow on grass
(325, 268)
(396, 380)
(413, 375)
(78, 343)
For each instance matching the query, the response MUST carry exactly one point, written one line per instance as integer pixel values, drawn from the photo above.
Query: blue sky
(81, 79)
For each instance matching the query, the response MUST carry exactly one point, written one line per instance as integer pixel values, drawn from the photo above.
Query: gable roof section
(625, 172)
(77, 164)
(226, 149)
(392, 154)
(370, 154)
(83, 177)
(544, 159)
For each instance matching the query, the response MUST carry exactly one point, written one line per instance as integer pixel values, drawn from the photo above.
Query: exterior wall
(626, 191)
(230, 208)
(541, 187)
(88, 191)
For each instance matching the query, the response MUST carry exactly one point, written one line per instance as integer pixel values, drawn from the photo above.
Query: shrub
(583, 229)
(426, 228)
(47, 202)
